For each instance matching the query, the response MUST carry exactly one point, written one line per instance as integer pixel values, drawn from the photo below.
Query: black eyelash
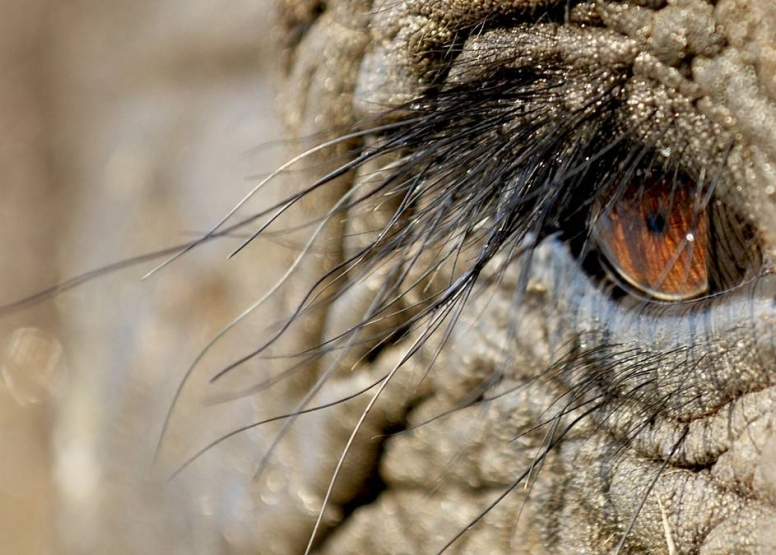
(473, 175)
(482, 166)
(481, 173)
(475, 171)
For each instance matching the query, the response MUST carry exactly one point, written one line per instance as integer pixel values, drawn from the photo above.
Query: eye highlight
(654, 237)
(659, 236)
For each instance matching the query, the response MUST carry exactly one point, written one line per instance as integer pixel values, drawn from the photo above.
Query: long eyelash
(458, 203)
(433, 139)
(476, 171)
(483, 167)
(486, 170)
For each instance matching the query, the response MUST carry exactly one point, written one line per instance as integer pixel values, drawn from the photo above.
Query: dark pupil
(656, 223)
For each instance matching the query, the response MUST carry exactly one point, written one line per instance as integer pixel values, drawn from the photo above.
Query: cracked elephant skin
(536, 408)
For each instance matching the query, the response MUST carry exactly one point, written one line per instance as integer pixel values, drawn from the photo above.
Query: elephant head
(534, 309)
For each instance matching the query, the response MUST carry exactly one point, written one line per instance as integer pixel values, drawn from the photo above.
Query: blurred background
(128, 126)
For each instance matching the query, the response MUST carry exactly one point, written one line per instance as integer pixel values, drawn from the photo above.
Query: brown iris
(655, 239)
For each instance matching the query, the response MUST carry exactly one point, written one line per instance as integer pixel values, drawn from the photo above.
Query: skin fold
(681, 457)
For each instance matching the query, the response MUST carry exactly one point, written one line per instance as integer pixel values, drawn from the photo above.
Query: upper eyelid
(565, 52)
(498, 52)
(690, 137)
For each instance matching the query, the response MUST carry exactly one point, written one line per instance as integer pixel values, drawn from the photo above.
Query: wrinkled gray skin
(709, 68)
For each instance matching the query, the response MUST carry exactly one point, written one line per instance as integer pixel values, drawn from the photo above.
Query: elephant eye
(662, 237)
(654, 237)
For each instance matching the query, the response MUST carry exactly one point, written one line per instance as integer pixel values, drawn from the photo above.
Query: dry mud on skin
(133, 129)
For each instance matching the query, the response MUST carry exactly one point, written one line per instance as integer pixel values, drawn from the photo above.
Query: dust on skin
(705, 68)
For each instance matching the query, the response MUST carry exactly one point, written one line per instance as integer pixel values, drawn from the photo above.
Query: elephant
(510, 282)
(493, 359)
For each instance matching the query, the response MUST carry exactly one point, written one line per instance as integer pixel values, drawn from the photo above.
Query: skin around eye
(655, 239)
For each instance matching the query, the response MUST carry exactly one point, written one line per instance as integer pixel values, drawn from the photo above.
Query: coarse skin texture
(685, 460)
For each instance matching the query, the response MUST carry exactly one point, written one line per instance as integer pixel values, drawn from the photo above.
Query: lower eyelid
(737, 326)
